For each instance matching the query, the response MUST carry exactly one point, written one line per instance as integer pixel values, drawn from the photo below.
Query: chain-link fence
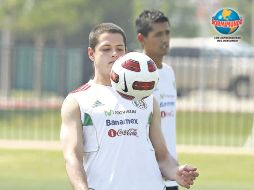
(205, 116)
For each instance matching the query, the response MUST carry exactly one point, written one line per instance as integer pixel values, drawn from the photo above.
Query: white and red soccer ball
(134, 76)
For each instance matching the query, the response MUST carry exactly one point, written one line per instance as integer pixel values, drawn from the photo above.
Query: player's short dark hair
(104, 28)
(147, 18)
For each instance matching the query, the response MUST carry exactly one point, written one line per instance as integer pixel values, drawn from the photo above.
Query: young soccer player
(98, 154)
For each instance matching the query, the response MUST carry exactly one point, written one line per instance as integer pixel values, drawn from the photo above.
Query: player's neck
(157, 59)
(102, 81)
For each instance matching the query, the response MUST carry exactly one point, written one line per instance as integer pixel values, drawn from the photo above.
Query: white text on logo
(121, 132)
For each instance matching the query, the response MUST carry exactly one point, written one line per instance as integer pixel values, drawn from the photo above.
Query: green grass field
(222, 172)
(216, 128)
(32, 170)
(35, 169)
(30, 124)
(227, 129)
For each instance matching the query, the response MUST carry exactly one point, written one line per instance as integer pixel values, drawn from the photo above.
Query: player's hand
(186, 175)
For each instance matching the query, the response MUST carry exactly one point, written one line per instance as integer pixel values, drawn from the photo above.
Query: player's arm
(183, 175)
(72, 138)
(162, 155)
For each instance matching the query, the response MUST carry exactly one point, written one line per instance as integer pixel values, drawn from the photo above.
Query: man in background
(153, 33)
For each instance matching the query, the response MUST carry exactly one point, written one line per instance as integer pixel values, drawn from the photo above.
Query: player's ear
(90, 53)
(140, 37)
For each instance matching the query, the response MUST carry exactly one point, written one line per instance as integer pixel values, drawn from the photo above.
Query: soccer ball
(134, 76)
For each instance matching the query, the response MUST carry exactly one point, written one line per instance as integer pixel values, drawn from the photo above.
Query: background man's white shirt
(166, 95)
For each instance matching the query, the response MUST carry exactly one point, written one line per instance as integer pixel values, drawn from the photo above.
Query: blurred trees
(60, 21)
(67, 23)
(192, 18)
(183, 18)
(54, 22)
(9, 12)
(182, 15)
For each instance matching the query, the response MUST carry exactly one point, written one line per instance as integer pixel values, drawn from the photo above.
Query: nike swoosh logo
(125, 85)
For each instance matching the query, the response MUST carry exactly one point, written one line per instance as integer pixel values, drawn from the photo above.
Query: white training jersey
(118, 154)
(165, 94)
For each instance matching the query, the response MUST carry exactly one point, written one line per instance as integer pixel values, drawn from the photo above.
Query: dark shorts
(172, 188)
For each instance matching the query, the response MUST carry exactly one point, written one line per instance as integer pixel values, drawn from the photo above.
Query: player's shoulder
(71, 102)
(83, 92)
(69, 106)
(167, 67)
(82, 88)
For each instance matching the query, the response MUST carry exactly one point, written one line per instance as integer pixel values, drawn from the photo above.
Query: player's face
(157, 41)
(109, 48)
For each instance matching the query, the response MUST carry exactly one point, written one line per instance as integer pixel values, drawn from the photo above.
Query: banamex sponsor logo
(166, 104)
(123, 132)
(121, 122)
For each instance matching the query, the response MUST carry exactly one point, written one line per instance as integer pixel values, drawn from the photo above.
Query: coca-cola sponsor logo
(167, 114)
(123, 132)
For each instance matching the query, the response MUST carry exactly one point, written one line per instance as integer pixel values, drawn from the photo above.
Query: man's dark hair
(104, 28)
(147, 18)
